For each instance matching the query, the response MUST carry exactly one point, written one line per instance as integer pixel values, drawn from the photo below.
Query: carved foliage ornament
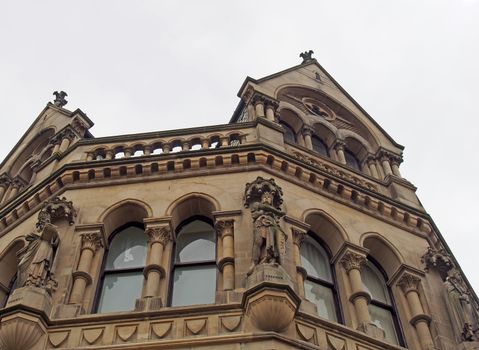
(159, 234)
(409, 283)
(352, 260)
(54, 209)
(91, 241)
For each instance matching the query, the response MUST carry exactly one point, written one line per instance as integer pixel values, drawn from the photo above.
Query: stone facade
(319, 242)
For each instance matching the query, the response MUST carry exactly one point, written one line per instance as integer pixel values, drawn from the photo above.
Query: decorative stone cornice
(159, 234)
(409, 283)
(92, 241)
(352, 261)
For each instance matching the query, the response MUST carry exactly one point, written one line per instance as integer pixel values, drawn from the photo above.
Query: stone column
(66, 137)
(147, 150)
(409, 284)
(298, 239)
(128, 152)
(372, 166)
(205, 143)
(166, 148)
(395, 161)
(109, 154)
(4, 183)
(225, 231)
(339, 147)
(352, 263)
(159, 236)
(90, 242)
(258, 102)
(185, 146)
(14, 188)
(224, 141)
(386, 164)
(271, 107)
(307, 132)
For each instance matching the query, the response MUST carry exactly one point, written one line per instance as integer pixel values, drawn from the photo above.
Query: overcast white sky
(136, 66)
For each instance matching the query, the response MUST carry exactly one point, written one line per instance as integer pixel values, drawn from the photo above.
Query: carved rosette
(353, 261)
(409, 283)
(56, 209)
(92, 241)
(159, 234)
(224, 227)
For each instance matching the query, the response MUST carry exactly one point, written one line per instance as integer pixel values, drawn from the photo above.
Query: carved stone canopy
(438, 259)
(55, 209)
(255, 190)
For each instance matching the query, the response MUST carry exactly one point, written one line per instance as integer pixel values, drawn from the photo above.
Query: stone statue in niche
(36, 259)
(263, 197)
(462, 310)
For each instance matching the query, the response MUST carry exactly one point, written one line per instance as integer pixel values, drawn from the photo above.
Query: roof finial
(306, 56)
(60, 98)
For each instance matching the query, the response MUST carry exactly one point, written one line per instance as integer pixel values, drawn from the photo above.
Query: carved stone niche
(20, 331)
(270, 301)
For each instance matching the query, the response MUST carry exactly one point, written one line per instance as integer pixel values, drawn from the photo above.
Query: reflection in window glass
(374, 284)
(319, 146)
(351, 160)
(384, 320)
(319, 285)
(194, 275)
(120, 291)
(322, 297)
(194, 285)
(122, 278)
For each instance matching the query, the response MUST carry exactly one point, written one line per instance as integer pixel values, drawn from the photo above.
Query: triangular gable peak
(310, 98)
(37, 143)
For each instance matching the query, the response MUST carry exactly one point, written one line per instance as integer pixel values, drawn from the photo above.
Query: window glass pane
(323, 298)
(196, 242)
(289, 135)
(374, 283)
(351, 160)
(384, 320)
(194, 285)
(127, 249)
(120, 291)
(315, 260)
(319, 146)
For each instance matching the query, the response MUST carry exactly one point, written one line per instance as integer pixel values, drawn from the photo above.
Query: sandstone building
(290, 227)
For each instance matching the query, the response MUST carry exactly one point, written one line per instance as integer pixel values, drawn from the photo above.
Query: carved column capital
(339, 145)
(258, 98)
(159, 234)
(298, 236)
(307, 130)
(92, 241)
(352, 261)
(409, 283)
(271, 103)
(224, 227)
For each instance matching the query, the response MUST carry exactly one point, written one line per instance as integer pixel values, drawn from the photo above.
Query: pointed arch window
(381, 307)
(319, 146)
(289, 134)
(351, 160)
(194, 268)
(122, 275)
(319, 285)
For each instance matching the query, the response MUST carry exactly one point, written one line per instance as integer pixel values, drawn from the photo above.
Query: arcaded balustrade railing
(165, 145)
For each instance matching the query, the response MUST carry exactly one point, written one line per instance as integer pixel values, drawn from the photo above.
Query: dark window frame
(104, 271)
(287, 128)
(391, 308)
(313, 137)
(174, 264)
(331, 285)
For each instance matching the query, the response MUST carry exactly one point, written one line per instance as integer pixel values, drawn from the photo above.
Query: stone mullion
(82, 276)
(409, 284)
(339, 147)
(352, 263)
(298, 239)
(159, 236)
(225, 230)
(307, 135)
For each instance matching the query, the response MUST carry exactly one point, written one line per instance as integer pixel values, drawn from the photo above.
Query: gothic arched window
(319, 286)
(122, 275)
(289, 134)
(194, 268)
(351, 160)
(381, 307)
(319, 146)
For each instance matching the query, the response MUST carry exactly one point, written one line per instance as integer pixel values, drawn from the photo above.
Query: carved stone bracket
(255, 190)
(55, 209)
(437, 259)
